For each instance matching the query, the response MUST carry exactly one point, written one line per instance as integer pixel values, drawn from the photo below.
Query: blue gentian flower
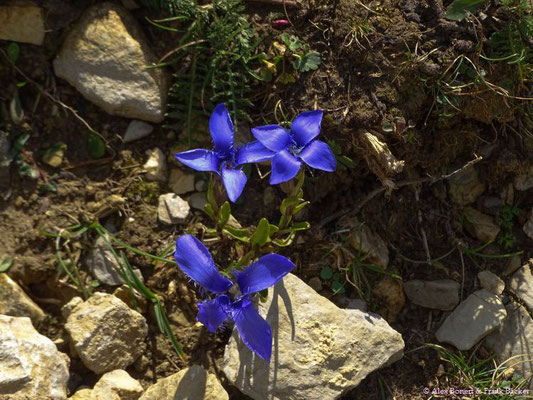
(299, 145)
(222, 159)
(194, 260)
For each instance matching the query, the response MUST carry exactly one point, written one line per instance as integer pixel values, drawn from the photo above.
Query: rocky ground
(424, 234)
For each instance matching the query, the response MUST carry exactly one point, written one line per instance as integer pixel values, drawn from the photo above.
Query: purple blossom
(223, 159)
(194, 260)
(290, 149)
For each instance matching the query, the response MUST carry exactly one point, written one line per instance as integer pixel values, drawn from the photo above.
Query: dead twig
(285, 3)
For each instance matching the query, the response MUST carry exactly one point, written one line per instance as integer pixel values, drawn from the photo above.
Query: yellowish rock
(22, 23)
(15, 302)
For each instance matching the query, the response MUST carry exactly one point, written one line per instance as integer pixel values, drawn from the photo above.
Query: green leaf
(300, 226)
(13, 52)
(288, 204)
(459, 9)
(273, 229)
(292, 42)
(285, 242)
(5, 262)
(224, 214)
(240, 234)
(95, 145)
(208, 209)
(326, 273)
(300, 207)
(261, 234)
(307, 62)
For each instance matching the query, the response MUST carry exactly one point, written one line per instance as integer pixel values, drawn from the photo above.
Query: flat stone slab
(477, 316)
(319, 350)
(105, 56)
(440, 294)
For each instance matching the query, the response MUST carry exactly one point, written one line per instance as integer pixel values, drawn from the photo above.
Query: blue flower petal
(273, 137)
(253, 152)
(306, 127)
(284, 167)
(318, 154)
(221, 129)
(234, 182)
(212, 313)
(194, 259)
(263, 273)
(254, 330)
(199, 159)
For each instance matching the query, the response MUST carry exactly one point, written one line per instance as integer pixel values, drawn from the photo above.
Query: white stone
(172, 209)
(117, 385)
(521, 284)
(440, 294)
(105, 56)
(477, 316)
(514, 339)
(106, 333)
(16, 303)
(319, 350)
(137, 130)
(193, 383)
(156, 165)
(181, 182)
(491, 282)
(31, 367)
(22, 23)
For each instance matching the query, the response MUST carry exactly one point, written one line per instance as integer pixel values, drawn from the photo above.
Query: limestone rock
(22, 23)
(181, 182)
(368, 242)
(137, 130)
(479, 225)
(193, 383)
(105, 58)
(528, 226)
(465, 186)
(477, 316)
(319, 350)
(491, 282)
(440, 294)
(522, 284)
(106, 333)
(116, 385)
(514, 338)
(172, 209)
(31, 367)
(16, 303)
(156, 165)
(82, 394)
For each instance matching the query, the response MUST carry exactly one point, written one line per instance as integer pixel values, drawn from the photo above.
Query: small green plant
(478, 376)
(287, 58)
(359, 29)
(508, 214)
